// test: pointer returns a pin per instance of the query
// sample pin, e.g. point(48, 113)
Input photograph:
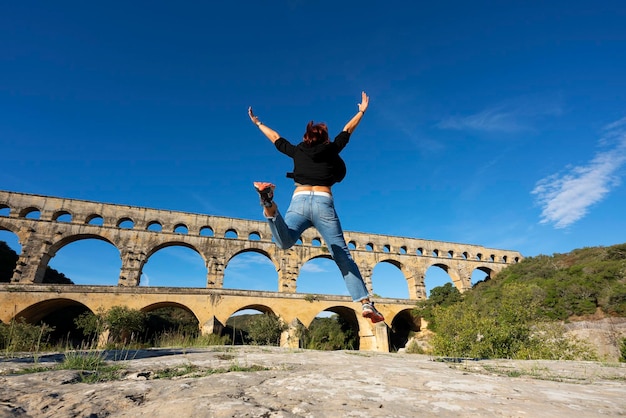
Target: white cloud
point(490, 120)
point(566, 197)
point(313, 268)
point(513, 116)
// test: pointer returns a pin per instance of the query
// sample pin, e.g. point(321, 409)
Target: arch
point(77, 262)
point(30, 212)
point(480, 274)
point(348, 320)
point(154, 226)
point(352, 245)
point(5, 210)
point(94, 219)
point(181, 229)
point(254, 236)
point(168, 304)
point(231, 233)
point(125, 223)
point(207, 231)
point(34, 313)
point(320, 275)
point(403, 250)
point(436, 275)
point(191, 273)
point(389, 280)
point(369, 247)
point(316, 242)
point(386, 248)
point(403, 325)
point(419, 251)
point(251, 269)
point(62, 216)
point(167, 320)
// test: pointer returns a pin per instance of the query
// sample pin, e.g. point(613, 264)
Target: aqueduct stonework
point(45, 224)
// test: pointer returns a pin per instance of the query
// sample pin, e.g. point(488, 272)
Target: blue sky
point(501, 124)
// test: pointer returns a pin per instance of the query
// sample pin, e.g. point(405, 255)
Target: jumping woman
point(317, 167)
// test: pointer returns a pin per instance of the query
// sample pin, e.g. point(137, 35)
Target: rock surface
point(277, 382)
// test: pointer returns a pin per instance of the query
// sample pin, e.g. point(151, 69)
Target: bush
point(124, 324)
point(265, 329)
point(505, 324)
point(623, 351)
point(20, 336)
point(329, 334)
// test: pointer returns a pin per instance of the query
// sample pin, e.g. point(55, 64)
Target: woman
point(317, 166)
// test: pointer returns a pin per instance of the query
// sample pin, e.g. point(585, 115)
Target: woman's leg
point(287, 230)
point(326, 221)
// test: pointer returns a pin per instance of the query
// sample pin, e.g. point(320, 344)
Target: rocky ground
point(246, 381)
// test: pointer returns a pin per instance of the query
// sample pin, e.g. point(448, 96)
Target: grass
point(92, 367)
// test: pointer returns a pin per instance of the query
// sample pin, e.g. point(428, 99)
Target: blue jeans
point(316, 210)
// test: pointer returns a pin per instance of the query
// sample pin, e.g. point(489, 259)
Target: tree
point(8, 260)
point(266, 329)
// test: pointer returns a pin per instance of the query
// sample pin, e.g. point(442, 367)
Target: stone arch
point(488, 272)
point(89, 219)
point(24, 213)
point(56, 246)
point(149, 252)
point(170, 304)
point(259, 251)
point(9, 226)
point(231, 233)
point(445, 268)
point(348, 314)
point(60, 213)
point(402, 325)
point(331, 278)
point(265, 309)
point(181, 228)
point(399, 266)
point(4, 212)
point(37, 311)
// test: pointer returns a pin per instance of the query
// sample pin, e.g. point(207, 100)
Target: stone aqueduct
point(45, 224)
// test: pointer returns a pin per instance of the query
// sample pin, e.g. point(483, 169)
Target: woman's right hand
point(253, 117)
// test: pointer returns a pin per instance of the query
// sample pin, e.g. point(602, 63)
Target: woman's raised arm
point(271, 134)
point(354, 122)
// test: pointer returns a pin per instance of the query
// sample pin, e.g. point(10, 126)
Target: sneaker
point(369, 311)
point(266, 193)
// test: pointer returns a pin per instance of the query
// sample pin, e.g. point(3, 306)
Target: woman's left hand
point(365, 101)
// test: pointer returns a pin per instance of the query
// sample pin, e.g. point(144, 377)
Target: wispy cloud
point(514, 116)
point(313, 268)
point(566, 197)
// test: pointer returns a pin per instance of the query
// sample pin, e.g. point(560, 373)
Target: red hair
point(316, 133)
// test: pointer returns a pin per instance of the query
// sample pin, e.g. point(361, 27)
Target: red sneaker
point(266, 193)
point(369, 311)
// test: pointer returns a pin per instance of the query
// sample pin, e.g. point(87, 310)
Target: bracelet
point(259, 123)
point(361, 111)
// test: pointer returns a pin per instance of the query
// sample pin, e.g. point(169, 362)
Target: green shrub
point(623, 351)
point(329, 334)
point(18, 335)
point(123, 324)
point(265, 329)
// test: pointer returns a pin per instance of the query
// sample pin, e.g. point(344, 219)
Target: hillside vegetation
point(518, 313)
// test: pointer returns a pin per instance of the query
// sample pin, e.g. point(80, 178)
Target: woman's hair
point(316, 133)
